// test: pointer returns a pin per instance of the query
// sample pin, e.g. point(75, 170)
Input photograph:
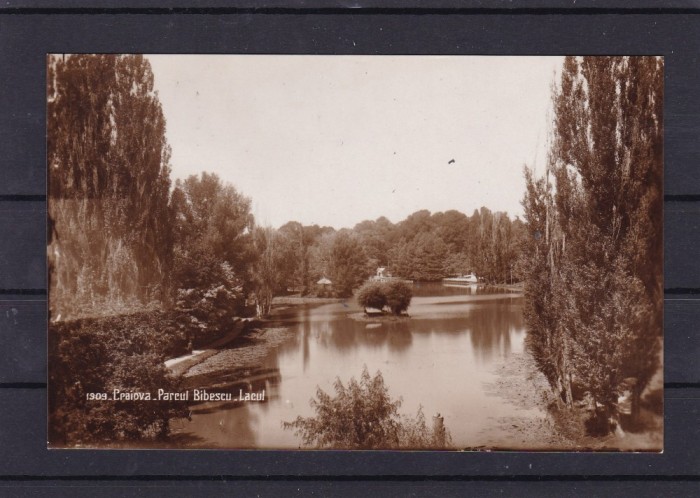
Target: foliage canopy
point(372, 295)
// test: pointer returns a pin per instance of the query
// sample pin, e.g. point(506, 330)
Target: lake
point(445, 358)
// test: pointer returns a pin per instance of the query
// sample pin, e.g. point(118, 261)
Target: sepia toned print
point(357, 252)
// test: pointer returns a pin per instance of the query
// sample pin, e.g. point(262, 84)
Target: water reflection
point(440, 359)
point(346, 334)
point(306, 336)
point(489, 324)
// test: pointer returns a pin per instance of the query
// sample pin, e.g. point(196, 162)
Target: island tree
point(394, 294)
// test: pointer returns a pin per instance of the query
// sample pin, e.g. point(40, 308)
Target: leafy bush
point(209, 296)
point(362, 415)
point(372, 295)
point(396, 294)
point(100, 355)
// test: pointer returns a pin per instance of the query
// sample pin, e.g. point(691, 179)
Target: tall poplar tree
point(108, 174)
point(594, 286)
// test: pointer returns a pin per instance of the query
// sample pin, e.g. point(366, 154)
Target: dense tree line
point(212, 252)
point(593, 274)
point(424, 247)
point(121, 235)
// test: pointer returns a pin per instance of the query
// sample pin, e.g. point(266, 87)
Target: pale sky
point(335, 140)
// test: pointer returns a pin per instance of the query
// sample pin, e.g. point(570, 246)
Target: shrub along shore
point(92, 357)
point(128, 352)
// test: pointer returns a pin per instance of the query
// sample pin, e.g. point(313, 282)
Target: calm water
point(443, 359)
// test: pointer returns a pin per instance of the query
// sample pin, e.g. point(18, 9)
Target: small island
point(388, 297)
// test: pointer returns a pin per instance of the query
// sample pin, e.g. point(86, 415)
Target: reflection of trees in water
point(344, 334)
point(306, 333)
point(491, 328)
point(223, 426)
point(490, 325)
point(400, 337)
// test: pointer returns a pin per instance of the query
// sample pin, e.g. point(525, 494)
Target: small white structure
point(382, 275)
point(323, 287)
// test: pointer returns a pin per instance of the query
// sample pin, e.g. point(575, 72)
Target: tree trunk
point(263, 302)
point(569, 394)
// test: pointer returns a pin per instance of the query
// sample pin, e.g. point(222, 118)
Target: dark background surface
point(31, 29)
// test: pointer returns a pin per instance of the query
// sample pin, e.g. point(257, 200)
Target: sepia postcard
point(355, 252)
